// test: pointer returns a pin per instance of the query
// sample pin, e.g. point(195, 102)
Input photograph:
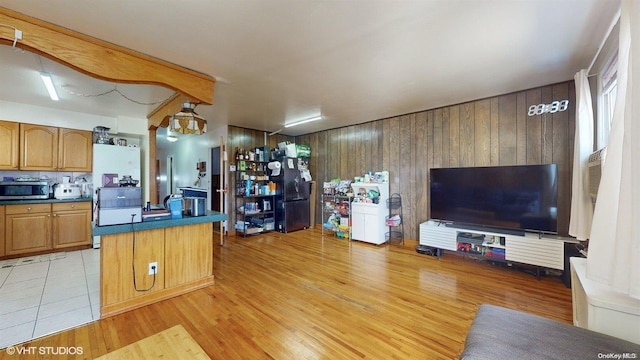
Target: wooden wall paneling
point(494, 157)
point(354, 166)
point(352, 145)
point(436, 138)
point(375, 140)
point(394, 154)
point(366, 137)
point(547, 127)
point(446, 138)
point(339, 157)
point(467, 134)
point(430, 158)
point(508, 128)
point(359, 145)
point(385, 154)
point(482, 137)
point(407, 166)
point(534, 129)
point(494, 131)
point(369, 139)
point(419, 201)
point(454, 136)
point(343, 145)
point(521, 128)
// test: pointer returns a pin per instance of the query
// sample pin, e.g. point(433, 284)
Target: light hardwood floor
point(302, 296)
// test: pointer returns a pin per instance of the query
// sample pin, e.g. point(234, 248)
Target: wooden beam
point(101, 59)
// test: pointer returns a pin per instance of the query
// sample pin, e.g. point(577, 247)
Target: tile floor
point(48, 294)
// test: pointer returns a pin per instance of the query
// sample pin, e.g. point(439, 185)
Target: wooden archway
point(110, 62)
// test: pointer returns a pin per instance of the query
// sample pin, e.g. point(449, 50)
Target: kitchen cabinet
point(2, 242)
point(9, 145)
point(39, 147)
point(27, 228)
point(52, 148)
point(71, 224)
point(75, 150)
point(31, 228)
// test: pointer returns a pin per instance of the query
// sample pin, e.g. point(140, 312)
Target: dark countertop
point(42, 201)
point(211, 216)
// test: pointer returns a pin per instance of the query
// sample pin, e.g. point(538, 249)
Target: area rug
point(32, 259)
point(173, 343)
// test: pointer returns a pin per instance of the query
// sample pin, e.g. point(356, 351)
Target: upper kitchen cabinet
point(75, 150)
point(9, 145)
point(52, 148)
point(39, 147)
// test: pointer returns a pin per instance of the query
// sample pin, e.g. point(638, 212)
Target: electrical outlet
point(153, 268)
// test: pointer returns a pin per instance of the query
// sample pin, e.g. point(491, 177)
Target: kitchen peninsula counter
point(182, 250)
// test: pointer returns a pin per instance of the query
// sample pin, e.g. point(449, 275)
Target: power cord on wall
point(133, 262)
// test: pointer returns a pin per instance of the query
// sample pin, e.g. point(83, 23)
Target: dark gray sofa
point(500, 333)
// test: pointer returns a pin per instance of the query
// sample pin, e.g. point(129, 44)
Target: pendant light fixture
point(187, 121)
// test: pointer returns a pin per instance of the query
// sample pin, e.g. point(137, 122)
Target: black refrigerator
point(292, 197)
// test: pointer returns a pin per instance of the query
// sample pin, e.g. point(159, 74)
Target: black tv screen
point(520, 197)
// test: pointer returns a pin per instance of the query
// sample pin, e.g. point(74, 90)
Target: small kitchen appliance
point(24, 190)
point(196, 206)
point(67, 191)
point(121, 205)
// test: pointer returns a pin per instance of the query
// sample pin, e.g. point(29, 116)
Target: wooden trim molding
point(101, 59)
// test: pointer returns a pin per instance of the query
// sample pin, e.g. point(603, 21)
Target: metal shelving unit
point(340, 207)
point(395, 235)
point(255, 211)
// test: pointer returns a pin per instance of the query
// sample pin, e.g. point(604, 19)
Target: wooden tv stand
point(531, 249)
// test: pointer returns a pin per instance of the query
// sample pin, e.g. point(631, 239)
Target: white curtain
point(581, 207)
point(614, 247)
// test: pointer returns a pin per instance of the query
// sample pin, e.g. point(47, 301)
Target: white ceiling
point(279, 61)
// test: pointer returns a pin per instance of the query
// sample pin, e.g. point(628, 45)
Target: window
point(609, 82)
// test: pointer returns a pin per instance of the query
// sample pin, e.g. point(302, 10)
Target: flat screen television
point(511, 199)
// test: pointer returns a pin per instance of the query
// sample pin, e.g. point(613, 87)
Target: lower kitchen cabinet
point(37, 228)
point(27, 228)
point(71, 224)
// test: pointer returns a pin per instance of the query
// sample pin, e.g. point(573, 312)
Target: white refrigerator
point(113, 159)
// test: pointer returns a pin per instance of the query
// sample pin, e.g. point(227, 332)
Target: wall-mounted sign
point(548, 108)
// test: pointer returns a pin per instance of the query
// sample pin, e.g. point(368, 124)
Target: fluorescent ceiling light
point(48, 83)
point(303, 121)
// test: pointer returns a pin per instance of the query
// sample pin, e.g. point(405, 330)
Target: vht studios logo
point(44, 350)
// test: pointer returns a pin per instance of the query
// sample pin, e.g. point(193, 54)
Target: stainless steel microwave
point(23, 190)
